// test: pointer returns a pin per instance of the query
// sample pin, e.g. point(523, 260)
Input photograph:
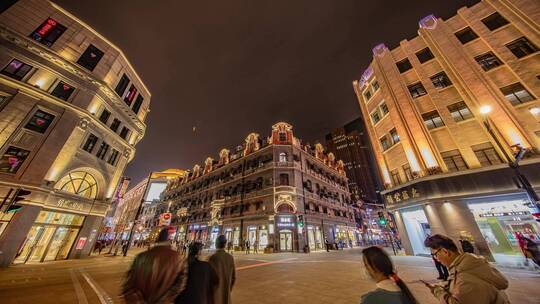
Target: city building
point(72, 110)
point(446, 112)
point(351, 144)
point(273, 193)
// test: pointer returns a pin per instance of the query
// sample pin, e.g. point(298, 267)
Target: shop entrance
point(500, 222)
point(314, 237)
point(418, 229)
point(48, 242)
point(263, 238)
point(285, 240)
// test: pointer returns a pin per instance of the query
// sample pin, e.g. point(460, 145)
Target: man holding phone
point(472, 279)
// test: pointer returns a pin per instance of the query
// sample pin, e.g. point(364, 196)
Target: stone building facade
point(273, 193)
point(72, 109)
point(447, 110)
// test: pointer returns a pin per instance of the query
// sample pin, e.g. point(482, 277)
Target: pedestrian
point(472, 279)
point(255, 246)
point(247, 246)
point(522, 244)
point(154, 275)
point(229, 246)
point(350, 243)
point(390, 288)
point(532, 251)
point(441, 269)
point(202, 279)
point(223, 264)
point(466, 246)
point(327, 244)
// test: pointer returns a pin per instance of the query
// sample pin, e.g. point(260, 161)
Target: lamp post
point(520, 179)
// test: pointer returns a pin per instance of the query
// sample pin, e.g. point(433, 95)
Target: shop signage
point(401, 195)
point(80, 243)
point(252, 228)
point(215, 229)
point(67, 204)
point(165, 219)
point(285, 222)
point(504, 214)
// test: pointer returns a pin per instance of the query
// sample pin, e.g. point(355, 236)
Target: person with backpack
point(390, 288)
point(472, 279)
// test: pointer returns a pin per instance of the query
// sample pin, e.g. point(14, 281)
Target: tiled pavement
point(318, 277)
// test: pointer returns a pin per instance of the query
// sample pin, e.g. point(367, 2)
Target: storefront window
point(418, 229)
point(499, 222)
point(56, 218)
point(5, 218)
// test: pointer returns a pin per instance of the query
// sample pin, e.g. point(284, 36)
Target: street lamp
point(520, 179)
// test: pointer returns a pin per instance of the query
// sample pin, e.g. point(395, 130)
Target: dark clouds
point(234, 67)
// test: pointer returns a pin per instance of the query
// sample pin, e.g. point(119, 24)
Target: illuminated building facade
point(271, 192)
point(445, 111)
point(72, 109)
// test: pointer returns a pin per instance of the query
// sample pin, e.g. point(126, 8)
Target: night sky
point(233, 67)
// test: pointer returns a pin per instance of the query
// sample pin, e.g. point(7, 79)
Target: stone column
point(15, 233)
point(456, 217)
point(434, 220)
point(405, 241)
point(89, 231)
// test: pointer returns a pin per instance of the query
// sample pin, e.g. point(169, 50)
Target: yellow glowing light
point(428, 157)
point(40, 82)
point(415, 166)
point(534, 110)
point(485, 109)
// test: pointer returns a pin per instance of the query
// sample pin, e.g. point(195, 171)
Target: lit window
point(424, 55)
point(460, 111)
point(522, 47)
point(90, 143)
point(130, 95)
point(385, 143)
point(282, 157)
point(466, 35)
point(90, 58)
point(40, 121)
point(404, 65)
point(441, 80)
point(79, 183)
point(16, 69)
point(488, 61)
point(104, 117)
point(62, 90)
point(48, 32)
point(12, 159)
point(102, 151)
point(395, 136)
point(375, 116)
point(122, 85)
point(516, 94)
point(494, 21)
point(417, 90)
point(454, 161)
point(432, 120)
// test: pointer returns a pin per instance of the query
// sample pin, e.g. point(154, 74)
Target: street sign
point(165, 219)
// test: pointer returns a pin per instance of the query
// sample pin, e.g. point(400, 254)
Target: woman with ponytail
point(390, 288)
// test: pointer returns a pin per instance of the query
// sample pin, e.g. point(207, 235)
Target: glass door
point(67, 243)
point(56, 243)
point(285, 240)
point(31, 239)
point(41, 245)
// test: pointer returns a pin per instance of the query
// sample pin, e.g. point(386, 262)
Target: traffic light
point(300, 221)
point(382, 219)
point(17, 197)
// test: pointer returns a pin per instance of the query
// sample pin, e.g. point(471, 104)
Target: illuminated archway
point(79, 183)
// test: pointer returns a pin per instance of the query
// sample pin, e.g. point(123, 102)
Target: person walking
point(247, 246)
point(202, 280)
point(441, 269)
point(390, 288)
point(466, 246)
point(229, 246)
point(327, 244)
point(154, 274)
point(223, 264)
point(255, 246)
point(472, 279)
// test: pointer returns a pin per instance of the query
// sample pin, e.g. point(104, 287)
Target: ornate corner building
point(72, 109)
point(447, 110)
point(273, 193)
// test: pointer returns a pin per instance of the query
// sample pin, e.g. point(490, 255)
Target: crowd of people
point(165, 275)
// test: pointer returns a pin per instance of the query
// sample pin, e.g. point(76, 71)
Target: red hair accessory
point(395, 278)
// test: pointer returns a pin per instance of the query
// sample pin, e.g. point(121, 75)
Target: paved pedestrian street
point(318, 277)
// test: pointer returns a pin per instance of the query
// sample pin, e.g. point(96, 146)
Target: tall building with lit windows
point(72, 109)
point(446, 111)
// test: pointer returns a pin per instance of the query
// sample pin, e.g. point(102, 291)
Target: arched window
point(282, 157)
point(79, 183)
